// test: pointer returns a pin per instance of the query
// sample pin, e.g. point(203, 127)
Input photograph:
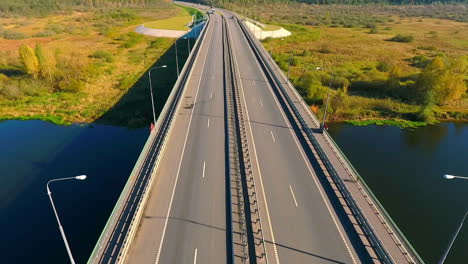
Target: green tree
point(46, 68)
point(29, 60)
point(310, 85)
point(339, 101)
point(443, 81)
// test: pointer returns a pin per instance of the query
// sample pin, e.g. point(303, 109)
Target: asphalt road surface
point(297, 216)
point(185, 221)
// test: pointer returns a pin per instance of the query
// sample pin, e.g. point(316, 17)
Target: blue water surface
point(33, 152)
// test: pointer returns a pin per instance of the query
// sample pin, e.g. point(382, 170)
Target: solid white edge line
point(305, 160)
point(272, 136)
point(195, 256)
point(258, 166)
point(203, 174)
point(182, 157)
point(292, 193)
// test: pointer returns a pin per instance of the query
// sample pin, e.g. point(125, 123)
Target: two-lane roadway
point(184, 220)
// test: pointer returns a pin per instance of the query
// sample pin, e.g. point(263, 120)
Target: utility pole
point(326, 105)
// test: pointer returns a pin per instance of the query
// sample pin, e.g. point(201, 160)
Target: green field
point(177, 22)
point(271, 28)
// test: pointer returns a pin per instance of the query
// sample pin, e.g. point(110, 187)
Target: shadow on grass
point(134, 108)
point(11, 72)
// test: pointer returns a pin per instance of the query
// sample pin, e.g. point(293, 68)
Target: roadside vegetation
point(383, 63)
point(181, 21)
point(75, 66)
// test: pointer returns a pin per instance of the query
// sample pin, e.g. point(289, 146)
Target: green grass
point(364, 61)
point(178, 22)
point(271, 28)
point(58, 120)
point(388, 122)
point(100, 60)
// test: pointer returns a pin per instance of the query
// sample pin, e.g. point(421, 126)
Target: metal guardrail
point(114, 217)
point(367, 228)
point(246, 180)
point(231, 151)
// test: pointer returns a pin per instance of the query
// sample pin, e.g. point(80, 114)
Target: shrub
point(45, 33)
point(294, 61)
point(384, 66)
point(10, 34)
point(402, 38)
point(57, 28)
point(102, 54)
point(46, 67)
point(420, 61)
point(374, 30)
point(325, 49)
point(128, 81)
point(305, 53)
point(3, 78)
point(133, 39)
point(70, 74)
point(426, 114)
point(10, 91)
point(29, 60)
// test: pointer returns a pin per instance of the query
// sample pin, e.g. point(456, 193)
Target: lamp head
point(81, 177)
point(448, 177)
point(164, 66)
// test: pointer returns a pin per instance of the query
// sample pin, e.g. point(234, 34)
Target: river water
point(404, 169)
point(33, 152)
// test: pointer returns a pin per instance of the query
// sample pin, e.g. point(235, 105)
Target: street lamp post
point(328, 99)
point(454, 237)
point(151, 90)
point(49, 193)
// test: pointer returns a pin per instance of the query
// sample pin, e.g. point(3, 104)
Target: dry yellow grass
point(99, 94)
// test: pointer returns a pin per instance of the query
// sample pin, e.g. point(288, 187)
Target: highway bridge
point(237, 170)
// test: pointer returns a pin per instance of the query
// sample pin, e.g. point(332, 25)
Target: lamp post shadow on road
point(62, 232)
point(454, 237)
point(151, 89)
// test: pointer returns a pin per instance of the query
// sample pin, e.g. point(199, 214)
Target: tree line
point(43, 7)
